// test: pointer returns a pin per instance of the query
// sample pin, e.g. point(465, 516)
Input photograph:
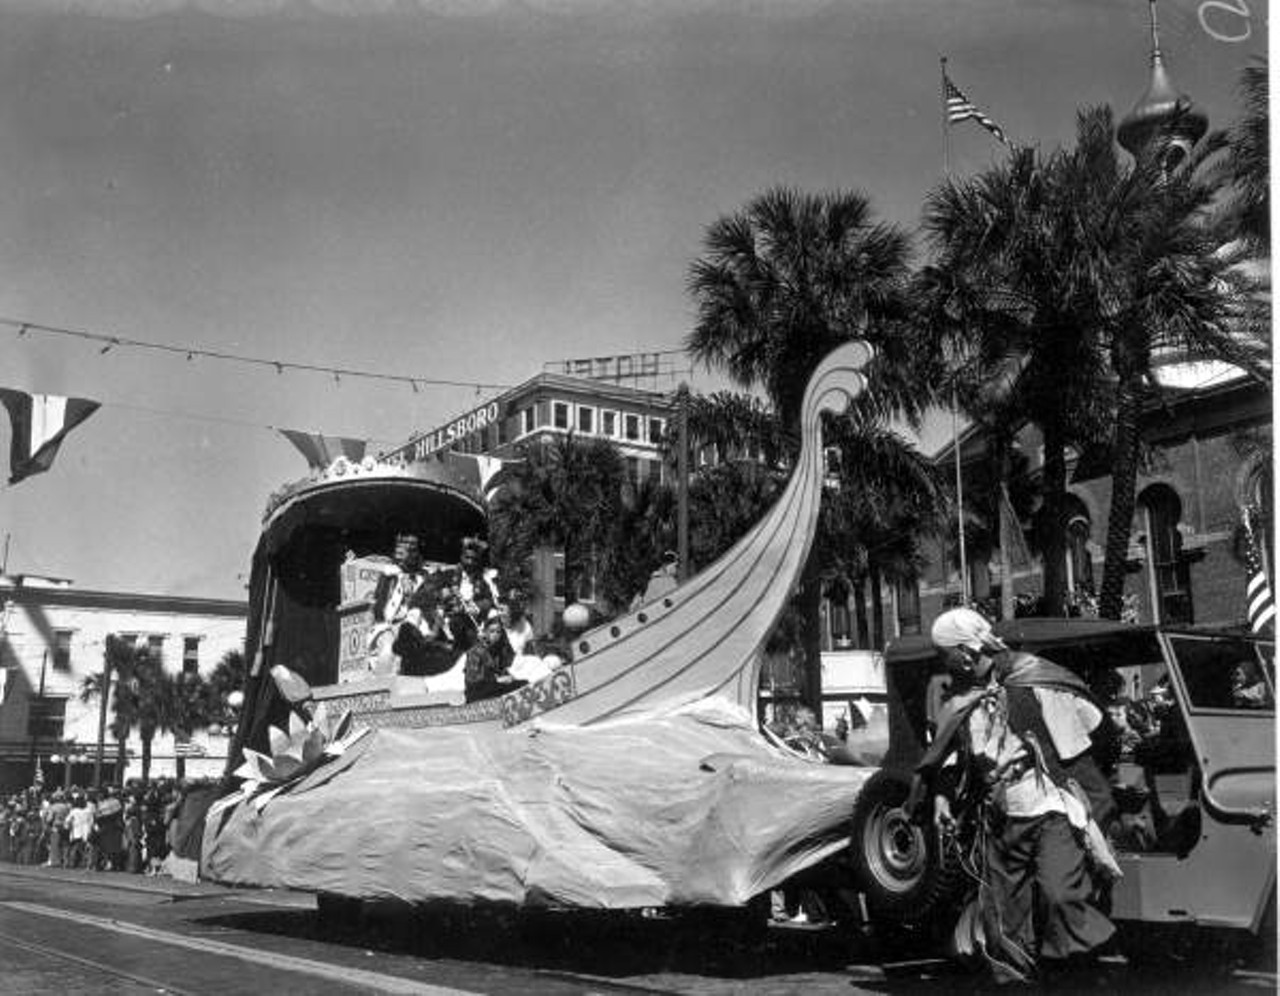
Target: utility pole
point(31, 760)
point(682, 471)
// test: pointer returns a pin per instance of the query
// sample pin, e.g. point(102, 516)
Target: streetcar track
point(359, 977)
point(97, 966)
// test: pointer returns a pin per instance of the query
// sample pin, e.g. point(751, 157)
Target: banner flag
point(1261, 603)
point(961, 108)
point(321, 450)
point(1011, 531)
point(40, 423)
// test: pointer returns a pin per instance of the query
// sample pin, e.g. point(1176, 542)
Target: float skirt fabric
point(680, 807)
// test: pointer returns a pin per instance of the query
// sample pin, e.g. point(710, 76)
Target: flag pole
point(946, 125)
point(955, 427)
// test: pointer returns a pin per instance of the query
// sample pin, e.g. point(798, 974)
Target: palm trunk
point(860, 612)
point(1124, 477)
point(877, 609)
point(809, 603)
point(1054, 539)
point(122, 760)
point(146, 760)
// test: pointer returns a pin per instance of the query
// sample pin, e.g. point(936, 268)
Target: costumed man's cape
point(1013, 671)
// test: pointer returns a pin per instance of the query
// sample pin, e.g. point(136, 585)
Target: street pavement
point(77, 932)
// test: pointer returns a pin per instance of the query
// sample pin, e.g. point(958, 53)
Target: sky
point(450, 190)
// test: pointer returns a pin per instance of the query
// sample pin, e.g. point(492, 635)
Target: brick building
point(1210, 457)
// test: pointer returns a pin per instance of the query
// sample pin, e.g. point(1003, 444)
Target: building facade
point(53, 636)
point(1209, 460)
point(551, 405)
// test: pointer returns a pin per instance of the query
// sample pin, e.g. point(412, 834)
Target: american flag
point(187, 748)
point(961, 108)
point(1261, 603)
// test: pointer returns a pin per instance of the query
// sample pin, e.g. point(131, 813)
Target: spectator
point(109, 824)
point(55, 820)
point(79, 824)
point(133, 839)
point(153, 831)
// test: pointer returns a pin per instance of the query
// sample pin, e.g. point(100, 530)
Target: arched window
point(1259, 498)
point(1079, 559)
point(1168, 572)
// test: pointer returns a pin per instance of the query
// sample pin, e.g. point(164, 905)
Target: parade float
point(635, 775)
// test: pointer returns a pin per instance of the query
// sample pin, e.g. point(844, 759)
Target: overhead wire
point(109, 342)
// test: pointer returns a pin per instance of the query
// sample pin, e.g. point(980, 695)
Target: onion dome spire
point(1163, 120)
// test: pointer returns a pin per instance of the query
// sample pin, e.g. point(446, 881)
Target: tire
point(897, 864)
point(338, 912)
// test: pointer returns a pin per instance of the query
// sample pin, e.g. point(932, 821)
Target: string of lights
point(106, 343)
point(222, 419)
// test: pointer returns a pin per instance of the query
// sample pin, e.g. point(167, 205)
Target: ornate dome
point(1163, 118)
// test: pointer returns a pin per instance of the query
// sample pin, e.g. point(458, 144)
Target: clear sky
point(451, 189)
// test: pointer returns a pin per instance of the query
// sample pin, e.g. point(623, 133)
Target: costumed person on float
point(476, 591)
point(1012, 768)
point(410, 631)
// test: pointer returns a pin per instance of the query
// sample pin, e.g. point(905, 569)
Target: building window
point(609, 424)
point(908, 607)
point(1079, 559)
point(190, 655)
point(1168, 572)
point(839, 618)
point(528, 421)
point(46, 717)
point(155, 647)
point(62, 650)
point(631, 427)
point(586, 419)
point(655, 430)
point(584, 584)
point(633, 470)
point(559, 415)
point(504, 431)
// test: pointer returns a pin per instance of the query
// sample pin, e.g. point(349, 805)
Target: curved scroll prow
point(706, 637)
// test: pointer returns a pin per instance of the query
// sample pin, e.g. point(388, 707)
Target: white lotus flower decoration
point(297, 752)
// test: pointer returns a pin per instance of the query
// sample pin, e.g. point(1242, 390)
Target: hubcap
point(895, 849)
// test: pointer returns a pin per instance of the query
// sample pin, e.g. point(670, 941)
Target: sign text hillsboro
point(445, 436)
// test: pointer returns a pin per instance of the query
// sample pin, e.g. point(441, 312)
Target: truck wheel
point(897, 863)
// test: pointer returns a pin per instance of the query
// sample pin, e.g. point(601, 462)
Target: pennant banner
point(485, 474)
point(40, 423)
point(321, 450)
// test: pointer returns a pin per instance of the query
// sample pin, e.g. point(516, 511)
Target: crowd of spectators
point(125, 828)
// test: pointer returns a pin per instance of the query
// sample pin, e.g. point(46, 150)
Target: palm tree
point(778, 285)
point(182, 705)
point(885, 498)
point(1163, 290)
point(227, 677)
point(1002, 301)
point(133, 700)
point(566, 494)
point(1248, 166)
